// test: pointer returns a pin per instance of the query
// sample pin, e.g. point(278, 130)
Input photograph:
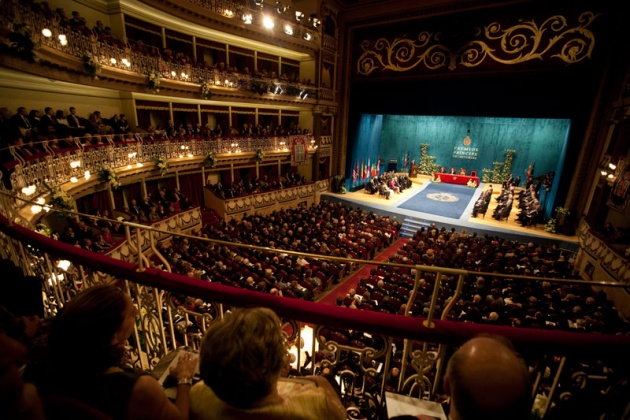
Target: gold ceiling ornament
point(520, 43)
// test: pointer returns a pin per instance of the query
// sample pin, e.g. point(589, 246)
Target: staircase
point(410, 226)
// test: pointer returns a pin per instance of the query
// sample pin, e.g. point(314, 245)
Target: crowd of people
point(494, 300)
point(246, 186)
point(102, 232)
point(388, 184)
point(327, 229)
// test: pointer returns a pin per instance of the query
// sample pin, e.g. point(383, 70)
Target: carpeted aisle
point(352, 281)
point(441, 199)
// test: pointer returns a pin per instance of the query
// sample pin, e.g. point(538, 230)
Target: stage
point(510, 228)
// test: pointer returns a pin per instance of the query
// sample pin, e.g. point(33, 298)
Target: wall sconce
point(247, 18)
point(63, 264)
point(63, 40)
point(87, 175)
point(268, 22)
point(47, 32)
point(74, 180)
point(75, 164)
point(229, 13)
point(288, 30)
point(30, 190)
point(307, 36)
point(299, 16)
point(113, 61)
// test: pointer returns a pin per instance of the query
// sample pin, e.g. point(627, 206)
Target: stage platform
point(508, 229)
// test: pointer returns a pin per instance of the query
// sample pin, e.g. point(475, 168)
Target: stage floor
point(465, 221)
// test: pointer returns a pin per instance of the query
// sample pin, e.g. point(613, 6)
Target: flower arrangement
point(472, 184)
point(109, 175)
point(60, 200)
point(204, 87)
point(90, 67)
point(562, 211)
point(551, 226)
point(260, 155)
point(153, 80)
point(211, 159)
point(23, 42)
point(436, 178)
point(162, 165)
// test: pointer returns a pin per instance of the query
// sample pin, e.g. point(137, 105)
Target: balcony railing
point(119, 57)
point(58, 167)
point(418, 345)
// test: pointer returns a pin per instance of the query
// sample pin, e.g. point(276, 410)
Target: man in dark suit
point(76, 123)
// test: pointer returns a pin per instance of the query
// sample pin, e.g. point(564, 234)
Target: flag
point(529, 173)
point(357, 169)
point(378, 166)
point(354, 175)
point(368, 171)
point(362, 169)
point(374, 168)
point(406, 158)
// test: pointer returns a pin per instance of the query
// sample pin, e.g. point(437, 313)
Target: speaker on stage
point(392, 165)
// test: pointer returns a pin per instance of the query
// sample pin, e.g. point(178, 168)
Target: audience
point(241, 360)
point(487, 380)
point(91, 373)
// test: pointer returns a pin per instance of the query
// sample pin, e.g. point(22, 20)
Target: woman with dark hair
point(86, 349)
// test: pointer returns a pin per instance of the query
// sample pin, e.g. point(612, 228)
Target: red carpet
point(351, 282)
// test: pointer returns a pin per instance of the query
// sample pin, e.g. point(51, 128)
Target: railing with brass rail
point(419, 346)
point(55, 168)
point(117, 56)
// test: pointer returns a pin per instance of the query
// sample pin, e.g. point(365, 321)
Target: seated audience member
point(86, 348)
point(19, 400)
point(487, 380)
point(241, 361)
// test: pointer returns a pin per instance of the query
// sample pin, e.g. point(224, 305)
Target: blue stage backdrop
point(537, 142)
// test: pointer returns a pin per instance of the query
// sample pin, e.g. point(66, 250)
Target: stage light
point(268, 22)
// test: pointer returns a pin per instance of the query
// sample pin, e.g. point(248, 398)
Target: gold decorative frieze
point(555, 38)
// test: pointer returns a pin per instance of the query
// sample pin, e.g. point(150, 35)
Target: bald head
point(486, 379)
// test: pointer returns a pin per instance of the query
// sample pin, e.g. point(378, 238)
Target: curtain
point(192, 187)
point(100, 200)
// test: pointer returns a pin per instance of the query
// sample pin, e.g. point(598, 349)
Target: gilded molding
point(526, 41)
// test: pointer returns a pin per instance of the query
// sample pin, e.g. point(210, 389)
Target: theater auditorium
point(393, 180)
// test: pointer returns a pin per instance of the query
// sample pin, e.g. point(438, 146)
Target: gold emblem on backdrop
point(520, 43)
point(467, 141)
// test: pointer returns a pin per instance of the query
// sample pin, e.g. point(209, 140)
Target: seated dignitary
point(487, 380)
point(241, 359)
point(86, 347)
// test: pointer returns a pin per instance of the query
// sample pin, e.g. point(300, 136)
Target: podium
point(413, 172)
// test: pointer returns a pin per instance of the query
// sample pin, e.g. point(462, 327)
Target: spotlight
point(307, 36)
point(288, 30)
point(268, 22)
point(47, 32)
point(299, 16)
